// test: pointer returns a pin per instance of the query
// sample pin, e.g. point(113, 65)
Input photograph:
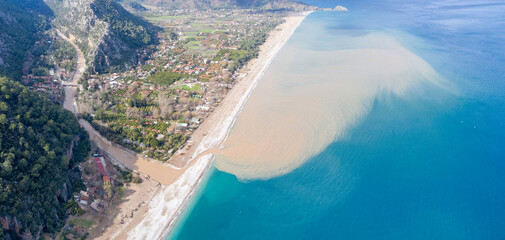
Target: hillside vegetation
point(36, 136)
point(131, 29)
point(107, 34)
point(40, 142)
point(20, 20)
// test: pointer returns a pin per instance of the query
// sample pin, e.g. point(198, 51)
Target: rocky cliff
point(107, 33)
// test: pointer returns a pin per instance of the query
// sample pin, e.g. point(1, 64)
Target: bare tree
point(155, 112)
point(166, 104)
point(134, 112)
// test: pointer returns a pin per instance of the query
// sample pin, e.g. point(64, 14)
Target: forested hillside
point(35, 140)
point(107, 33)
point(20, 20)
point(131, 29)
point(36, 135)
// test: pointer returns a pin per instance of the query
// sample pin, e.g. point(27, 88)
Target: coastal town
point(155, 107)
point(251, 119)
point(145, 121)
point(49, 65)
point(152, 108)
point(130, 104)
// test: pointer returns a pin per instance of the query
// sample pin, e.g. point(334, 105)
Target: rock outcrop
point(107, 34)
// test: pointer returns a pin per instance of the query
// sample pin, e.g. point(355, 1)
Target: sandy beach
point(180, 177)
point(197, 159)
point(215, 128)
point(124, 214)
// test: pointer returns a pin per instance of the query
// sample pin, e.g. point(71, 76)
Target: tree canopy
point(165, 77)
point(20, 21)
point(133, 30)
point(35, 138)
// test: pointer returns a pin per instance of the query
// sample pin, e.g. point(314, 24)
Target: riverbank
point(161, 173)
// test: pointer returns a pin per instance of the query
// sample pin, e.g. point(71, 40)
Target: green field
point(82, 222)
point(203, 28)
point(190, 34)
point(194, 43)
point(194, 47)
point(196, 87)
point(166, 18)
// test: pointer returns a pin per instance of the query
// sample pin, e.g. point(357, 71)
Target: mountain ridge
point(224, 4)
point(107, 33)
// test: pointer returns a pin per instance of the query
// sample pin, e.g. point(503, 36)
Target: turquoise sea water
point(427, 166)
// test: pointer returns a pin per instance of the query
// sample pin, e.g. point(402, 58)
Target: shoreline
point(171, 202)
point(225, 115)
point(166, 208)
point(180, 177)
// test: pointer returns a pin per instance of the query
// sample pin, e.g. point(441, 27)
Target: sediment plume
point(308, 98)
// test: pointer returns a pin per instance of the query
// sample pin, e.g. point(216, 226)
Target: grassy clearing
point(203, 51)
point(121, 192)
point(166, 18)
point(193, 47)
point(207, 30)
point(84, 223)
point(190, 34)
point(203, 28)
point(194, 43)
point(196, 87)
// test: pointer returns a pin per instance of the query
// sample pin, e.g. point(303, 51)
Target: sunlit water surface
point(385, 122)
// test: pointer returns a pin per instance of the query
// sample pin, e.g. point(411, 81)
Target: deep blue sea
point(426, 167)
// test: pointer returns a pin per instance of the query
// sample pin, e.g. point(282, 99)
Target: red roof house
point(100, 164)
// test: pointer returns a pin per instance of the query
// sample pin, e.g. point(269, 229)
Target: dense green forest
point(165, 78)
point(36, 135)
point(35, 138)
point(133, 30)
point(19, 24)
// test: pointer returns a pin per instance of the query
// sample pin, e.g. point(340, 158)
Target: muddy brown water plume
point(307, 99)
